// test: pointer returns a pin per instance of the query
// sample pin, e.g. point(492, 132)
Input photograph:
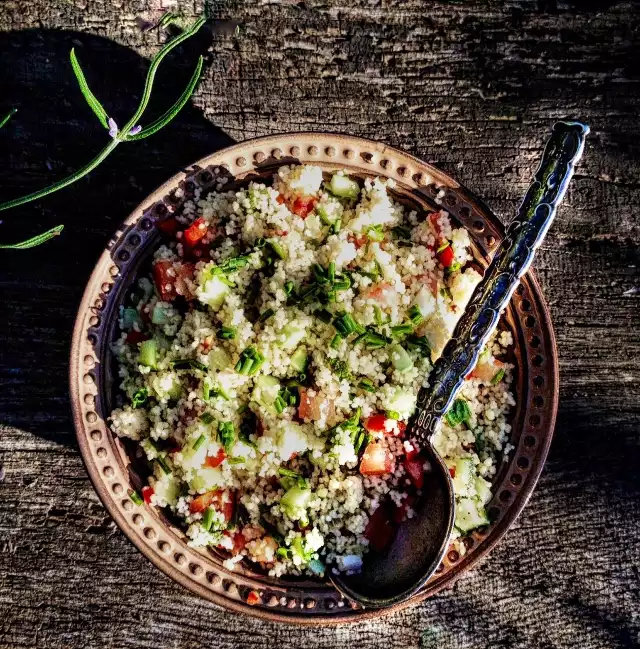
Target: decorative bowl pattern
point(113, 470)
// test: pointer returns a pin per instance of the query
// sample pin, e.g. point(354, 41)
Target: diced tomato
point(185, 273)
point(218, 499)
point(376, 460)
point(358, 242)
point(147, 492)
point(212, 461)
point(400, 512)
point(195, 232)
point(410, 450)
point(303, 205)
point(402, 426)
point(134, 337)
point(280, 199)
point(164, 278)
point(415, 468)
point(238, 542)
point(376, 423)
point(311, 407)
point(446, 256)
point(379, 530)
point(486, 369)
point(169, 226)
point(452, 471)
point(253, 598)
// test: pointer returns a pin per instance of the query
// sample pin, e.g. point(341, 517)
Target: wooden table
point(473, 87)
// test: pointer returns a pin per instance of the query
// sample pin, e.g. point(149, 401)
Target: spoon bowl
point(417, 549)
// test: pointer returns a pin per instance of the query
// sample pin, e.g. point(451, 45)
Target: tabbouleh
point(271, 359)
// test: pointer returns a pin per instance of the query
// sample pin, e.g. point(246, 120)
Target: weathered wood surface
point(472, 86)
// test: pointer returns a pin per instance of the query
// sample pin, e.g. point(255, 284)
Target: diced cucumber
point(265, 391)
point(167, 488)
point(213, 292)
point(130, 317)
point(402, 402)
point(159, 316)
point(470, 514)
point(295, 501)
point(292, 335)
point(483, 490)
point(465, 476)
point(149, 353)
point(344, 187)
point(297, 547)
point(300, 359)
point(219, 359)
point(400, 359)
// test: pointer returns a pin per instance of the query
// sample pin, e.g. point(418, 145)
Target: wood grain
point(472, 87)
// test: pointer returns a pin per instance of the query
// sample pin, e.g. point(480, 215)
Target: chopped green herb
point(375, 233)
point(367, 384)
point(415, 315)
point(260, 242)
point(342, 284)
point(226, 435)
point(266, 314)
point(251, 360)
point(163, 464)
point(378, 315)
point(139, 398)
point(285, 553)
point(188, 364)
point(236, 460)
point(392, 414)
point(444, 246)
point(335, 343)
point(135, 497)
point(458, 413)
point(278, 250)
point(207, 518)
point(201, 440)
point(227, 333)
point(206, 418)
point(335, 228)
point(420, 343)
point(445, 291)
point(340, 368)
point(288, 288)
point(497, 377)
point(401, 330)
point(454, 268)
point(331, 271)
point(233, 264)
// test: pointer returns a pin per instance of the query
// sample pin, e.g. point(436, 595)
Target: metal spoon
point(418, 548)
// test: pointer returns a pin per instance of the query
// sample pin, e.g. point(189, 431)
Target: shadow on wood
point(53, 134)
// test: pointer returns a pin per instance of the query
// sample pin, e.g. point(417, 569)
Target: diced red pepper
point(376, 460)
point(415, 468)
point(303, 205)
point(212, 461)
point(358, 242)
point(134, 337)
point(169, 226)
point(446, 256)
point(379, 530)
point(280, 199)
point(238, 542)
point(452, 471)
point(164, 279)
point(217, 498)
point(195, 232)
point(402, 426)
point(400, 512)
point(147, 492)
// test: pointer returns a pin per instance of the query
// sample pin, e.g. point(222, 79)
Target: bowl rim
point(88, 305)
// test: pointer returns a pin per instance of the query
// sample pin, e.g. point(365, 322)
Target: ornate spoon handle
point(510, 263)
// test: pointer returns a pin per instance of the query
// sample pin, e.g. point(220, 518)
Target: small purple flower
point(113, 128)
point(135, 130)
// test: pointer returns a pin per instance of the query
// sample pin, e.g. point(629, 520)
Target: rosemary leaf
point(8, 116)
point(94, 104)
point(34, 241)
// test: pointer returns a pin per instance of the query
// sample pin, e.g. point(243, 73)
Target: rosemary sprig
point(129, 133)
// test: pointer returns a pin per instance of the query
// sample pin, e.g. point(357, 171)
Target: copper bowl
point(113, 468)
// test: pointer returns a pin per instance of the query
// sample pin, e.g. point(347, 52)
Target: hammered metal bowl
point(112, 464)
